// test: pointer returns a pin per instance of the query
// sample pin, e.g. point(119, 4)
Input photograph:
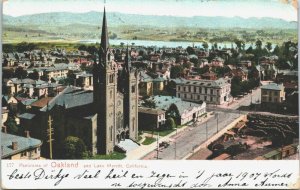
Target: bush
point(73, 148)
point(170, 123)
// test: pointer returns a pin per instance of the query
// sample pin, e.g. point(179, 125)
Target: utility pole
point(50, 133)
point(217, 122)
point(175, 143)
point(206, 130)
point(157, 145)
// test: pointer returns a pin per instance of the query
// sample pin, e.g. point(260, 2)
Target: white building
point(210, 91)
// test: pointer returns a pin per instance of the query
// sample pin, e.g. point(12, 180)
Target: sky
point(187, 8)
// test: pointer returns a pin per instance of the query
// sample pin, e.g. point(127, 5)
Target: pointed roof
point(104, 34)
point(127, 64)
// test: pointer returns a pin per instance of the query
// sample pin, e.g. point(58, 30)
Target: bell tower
point(130, 77)
point(105, 94)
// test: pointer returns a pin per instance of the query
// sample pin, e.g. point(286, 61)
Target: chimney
point(14, 145)
point(4, 129)
point(27, 134)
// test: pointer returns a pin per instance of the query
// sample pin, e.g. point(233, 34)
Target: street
point(184, 142)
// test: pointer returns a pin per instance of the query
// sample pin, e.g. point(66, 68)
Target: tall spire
point(127, 60)
point(104, 35)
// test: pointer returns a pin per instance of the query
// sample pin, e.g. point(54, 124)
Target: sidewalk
point(143, 150)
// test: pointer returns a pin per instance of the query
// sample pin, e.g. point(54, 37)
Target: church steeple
point(127, 64)
point(104, 36)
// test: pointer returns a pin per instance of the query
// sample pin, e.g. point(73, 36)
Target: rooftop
point(23, 144)
point(273, 86)
point(151, 111)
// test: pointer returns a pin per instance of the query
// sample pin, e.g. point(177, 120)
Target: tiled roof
point(23, 144)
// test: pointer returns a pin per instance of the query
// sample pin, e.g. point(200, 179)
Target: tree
point(269, 46)
point(258, 44)
point(92, 50)
point(173, 111)
point(34, 75)
point(73, 148)
point(235, 86)
point(205, 45)
point(11, 125)
point(176, 71)
point(276, 50)
point(170, 123)
point(8, 48)
point(82, 47)
point(20, 73)
point(149, 103)
point(190, 50)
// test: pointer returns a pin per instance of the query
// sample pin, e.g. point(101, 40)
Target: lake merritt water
point(170, 44)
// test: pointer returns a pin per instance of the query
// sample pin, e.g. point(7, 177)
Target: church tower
point(130, 77)
point(105, 94)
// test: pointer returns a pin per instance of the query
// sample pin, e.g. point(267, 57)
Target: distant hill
point(119, 19)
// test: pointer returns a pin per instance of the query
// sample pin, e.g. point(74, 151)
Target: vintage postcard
point(161, 94)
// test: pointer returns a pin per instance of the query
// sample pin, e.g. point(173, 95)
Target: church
point(102, 117)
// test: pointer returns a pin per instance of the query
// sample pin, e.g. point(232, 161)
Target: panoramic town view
point(167, 80)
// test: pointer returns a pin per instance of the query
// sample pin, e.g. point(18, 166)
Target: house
point(209, 75)
point(150, 118)
point(84, 79)
point(240, 73)
point(272, 93)
point(245, 63)
point(15, 147)
point(188, 111)
point(210, 91)
point(217, 62)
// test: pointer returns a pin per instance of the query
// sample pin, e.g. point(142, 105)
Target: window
point(198, 97)
point(205, 90)
point(204, 98)
point(23, 154)
point(178, 95)
point(190, 90)
point(200, 90)
point(111, 78)
point(211, 99)
point(183, 88)
point(211, 91)
point(276, 93)
point(275, 100)
point(133, 89)
point(184, 95)
point(270, 99)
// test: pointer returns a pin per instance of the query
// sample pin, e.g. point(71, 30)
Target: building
point(16, 147)
point(210, 91)
point(150, 118)
point(272, 93)
point(188, 111)
point(102, 118)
